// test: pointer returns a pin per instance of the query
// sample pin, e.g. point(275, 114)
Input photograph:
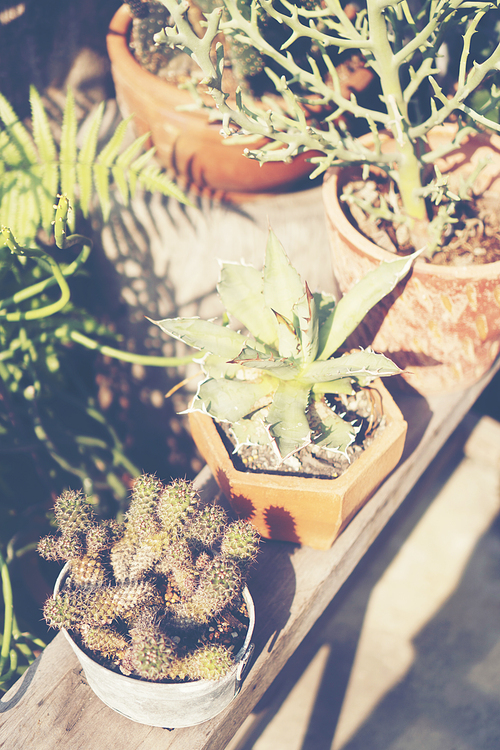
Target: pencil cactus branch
point(400, 48)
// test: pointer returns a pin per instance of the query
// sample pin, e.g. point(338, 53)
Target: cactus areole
point(159, 600)
point(271, 382)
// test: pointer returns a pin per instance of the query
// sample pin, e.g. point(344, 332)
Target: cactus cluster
point(149, 594)
point(246, 63)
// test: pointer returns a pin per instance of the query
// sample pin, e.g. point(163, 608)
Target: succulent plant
point(267, 382)
point(247, 63)
point(147, 594)
point(402, 43)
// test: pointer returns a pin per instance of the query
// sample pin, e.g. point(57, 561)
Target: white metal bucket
point(165, 705)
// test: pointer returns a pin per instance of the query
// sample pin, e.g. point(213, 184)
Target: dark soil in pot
point(474, 239)
point(363, 409)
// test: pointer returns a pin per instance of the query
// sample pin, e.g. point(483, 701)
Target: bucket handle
point(242, 668)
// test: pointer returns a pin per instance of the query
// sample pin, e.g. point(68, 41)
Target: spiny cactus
point(74, 515)
point(208, 663)
point(139, 595)
point(265, 380)
point(105, 640)
point(240, 542)
point(176, 505)
point(245, 61)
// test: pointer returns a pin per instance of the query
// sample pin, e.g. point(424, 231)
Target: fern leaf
point(101, 182)
point(86, 158)
point(111, 150)
point(137, 166)
point(154, 180)
point(121, 181)
point(49, 183)
point(19, 135)
point(126, 158)
point(41, 129)
point(67, 153)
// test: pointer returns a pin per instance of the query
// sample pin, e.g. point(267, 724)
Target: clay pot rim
point(333, 207)
point(118, 48)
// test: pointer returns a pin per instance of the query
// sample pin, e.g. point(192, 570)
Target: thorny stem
point(380, 37)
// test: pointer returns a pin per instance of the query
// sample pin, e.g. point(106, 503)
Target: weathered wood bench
point(52, 708)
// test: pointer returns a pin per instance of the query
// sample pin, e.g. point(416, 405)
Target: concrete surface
point(407, 657)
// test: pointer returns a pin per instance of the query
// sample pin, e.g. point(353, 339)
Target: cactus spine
point(145, 596)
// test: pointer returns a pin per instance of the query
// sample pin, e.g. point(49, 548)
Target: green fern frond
point(67, 154)
point(86, 158)
point(33, 171)
point(20, 138)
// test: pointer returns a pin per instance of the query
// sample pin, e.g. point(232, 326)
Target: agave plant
point(33, 170)
point(270, 382)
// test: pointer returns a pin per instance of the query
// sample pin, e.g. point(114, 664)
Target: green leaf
point(86, 158)
point(362, 366)
point(282, 284)
point(280, 367)
point(289, 343)
point(250, 431)
point(307, 324)
point(19, 135)
point(230, 400)
point(287, 418)
point(152, 179)
point(204, 335)
point(67, 155)
point(335, 434)
point(241, 289)
point(359, 300)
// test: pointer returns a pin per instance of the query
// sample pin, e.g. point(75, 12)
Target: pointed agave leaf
point(363, 366)
point(307, 324)
point(250, 431)
point(287, 418)
point(359, 300)
point(282, 285)
point(217, 367)
point(204, 335)
point(241, 289)
point(230, 400)
point(279, 367)
point(289, 343)
point(86, 158)
point(336, 434)
point(343, 385)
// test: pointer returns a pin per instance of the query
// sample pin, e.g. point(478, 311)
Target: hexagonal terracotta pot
point(443, 322)
point(298, 509)
point(185, 141)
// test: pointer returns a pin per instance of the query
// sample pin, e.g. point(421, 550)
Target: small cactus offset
point(148, 595)
point(270, 381)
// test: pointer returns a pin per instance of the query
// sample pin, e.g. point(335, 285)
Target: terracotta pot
point(185, 141)
point(443, 322)
point(298, 509)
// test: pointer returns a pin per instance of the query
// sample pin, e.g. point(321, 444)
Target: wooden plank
point(52, 708)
